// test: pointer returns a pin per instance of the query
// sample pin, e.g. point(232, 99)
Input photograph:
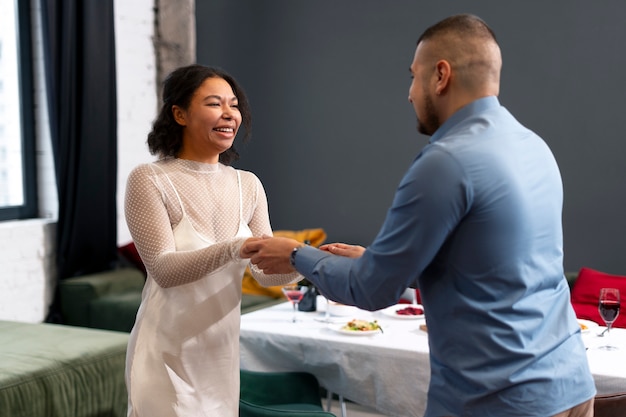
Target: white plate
point(338, 328)
point(391, 312)
point(590, 325)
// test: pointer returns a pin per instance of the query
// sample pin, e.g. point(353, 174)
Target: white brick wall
point(27, 247)
point(136, 92)
point(26, 259)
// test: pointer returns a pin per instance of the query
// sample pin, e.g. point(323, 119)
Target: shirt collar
point(477, 106)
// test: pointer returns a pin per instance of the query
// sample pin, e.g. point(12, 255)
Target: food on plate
point(356, 325)
point(410, 311)
point(586, 325)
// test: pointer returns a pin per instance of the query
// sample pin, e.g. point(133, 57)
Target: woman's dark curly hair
point(166, 137)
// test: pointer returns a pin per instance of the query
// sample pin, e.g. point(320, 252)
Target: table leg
point(342, 403)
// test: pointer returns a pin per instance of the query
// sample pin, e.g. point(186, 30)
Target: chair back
point(610, 405)
point(247, 409)
point(288, 394)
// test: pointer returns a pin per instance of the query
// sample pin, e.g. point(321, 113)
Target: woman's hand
point(341, 249)
point(244, 252)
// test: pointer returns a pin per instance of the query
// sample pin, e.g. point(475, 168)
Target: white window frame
point(18, 168)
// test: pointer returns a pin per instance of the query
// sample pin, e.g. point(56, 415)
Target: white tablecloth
point(387, 371)
point(608, 367)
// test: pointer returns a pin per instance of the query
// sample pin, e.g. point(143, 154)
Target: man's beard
point(430, 124)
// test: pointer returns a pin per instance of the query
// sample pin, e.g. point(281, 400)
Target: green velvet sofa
point(106, 300)
point(110, 300)
point(51, 370)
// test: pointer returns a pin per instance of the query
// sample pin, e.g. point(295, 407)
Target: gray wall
point(333, 131)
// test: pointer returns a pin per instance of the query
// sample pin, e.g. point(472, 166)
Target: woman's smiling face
point(210, 122)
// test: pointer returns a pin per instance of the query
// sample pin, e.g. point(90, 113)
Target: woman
point(189, 214)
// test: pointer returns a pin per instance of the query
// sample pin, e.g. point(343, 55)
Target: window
point(17, 150)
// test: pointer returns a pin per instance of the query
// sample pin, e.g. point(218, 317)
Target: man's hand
point(341, 249)
point(270, 254)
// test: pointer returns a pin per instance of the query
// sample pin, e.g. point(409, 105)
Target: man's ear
point(179, 115)
point(443, 71)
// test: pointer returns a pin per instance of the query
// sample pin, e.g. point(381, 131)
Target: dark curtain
point(79, 54)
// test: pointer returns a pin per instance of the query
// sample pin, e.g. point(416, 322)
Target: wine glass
point(326, 318)
point(294, 293)
point(609, 310)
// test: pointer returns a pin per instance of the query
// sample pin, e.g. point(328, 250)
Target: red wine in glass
point(294, 293)
point(294, 296)
point(608, 307)
point(609, 310)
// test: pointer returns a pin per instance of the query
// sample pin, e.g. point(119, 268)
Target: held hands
point(341, 249)
point(271, 254)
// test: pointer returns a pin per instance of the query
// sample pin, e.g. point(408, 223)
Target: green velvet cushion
point(76, 294)
point(58, 371)
point(115, 312)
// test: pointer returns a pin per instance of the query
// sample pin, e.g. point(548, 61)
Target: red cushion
point(586, 293)
point(129, 252)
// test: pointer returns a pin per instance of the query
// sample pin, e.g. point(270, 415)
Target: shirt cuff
point(307, 258)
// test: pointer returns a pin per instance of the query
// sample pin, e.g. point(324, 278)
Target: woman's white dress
point(188, 221)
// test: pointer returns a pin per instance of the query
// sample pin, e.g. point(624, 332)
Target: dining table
point(387, 369)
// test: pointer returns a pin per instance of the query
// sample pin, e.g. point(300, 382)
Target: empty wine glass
point(608, 307)
point(326, 318)
point(294, 293)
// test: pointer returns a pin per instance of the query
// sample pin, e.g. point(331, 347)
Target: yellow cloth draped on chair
point(315, 237)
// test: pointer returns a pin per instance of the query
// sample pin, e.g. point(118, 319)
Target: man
point(476, 222)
